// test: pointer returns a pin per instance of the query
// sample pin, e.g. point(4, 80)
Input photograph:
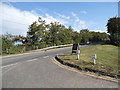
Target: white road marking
point(8, 70)
point(15, 64)
point(18, 63)
point(46, 56)
point(9, 65)
point(31, 60)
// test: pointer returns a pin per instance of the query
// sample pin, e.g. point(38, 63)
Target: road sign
point(75, 48)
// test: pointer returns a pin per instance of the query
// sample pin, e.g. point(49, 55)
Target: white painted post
point(78, 54)
point(94, 61)
point(94, 58)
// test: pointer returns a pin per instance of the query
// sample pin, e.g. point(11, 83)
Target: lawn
point(107, 58)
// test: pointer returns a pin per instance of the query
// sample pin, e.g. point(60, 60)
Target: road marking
point(14, 65)
point(18, 63)
point(9, 65)
point(46, 56)
point(8, 70)
point(31, 60)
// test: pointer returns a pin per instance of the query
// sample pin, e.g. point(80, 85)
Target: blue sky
point(79, 15)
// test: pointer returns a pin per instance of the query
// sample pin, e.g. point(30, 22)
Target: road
point(36, 70)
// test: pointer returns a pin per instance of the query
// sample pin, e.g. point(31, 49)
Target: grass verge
point(107, 58)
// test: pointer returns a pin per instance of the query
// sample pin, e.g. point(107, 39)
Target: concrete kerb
point(34, 51)
point(84, 72)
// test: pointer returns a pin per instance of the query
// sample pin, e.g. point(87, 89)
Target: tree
point(32, 33)
point(113, 28)
point(54, 31)
point(36, 33)
point(65, 36)
point(77, 37)
point(85, 36)
point(7, 42)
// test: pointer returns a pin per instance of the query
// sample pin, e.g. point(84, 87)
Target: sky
point(17, 16)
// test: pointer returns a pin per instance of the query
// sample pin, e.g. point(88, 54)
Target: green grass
point(107, 58)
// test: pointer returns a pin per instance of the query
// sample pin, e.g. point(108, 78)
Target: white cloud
point(77, 20)
point(50, 19)
point(17, 22)
point(74, 14)
point(78, 23)
point(43, 10)
point(83, 12)
point(62, 16)
point(101, 31)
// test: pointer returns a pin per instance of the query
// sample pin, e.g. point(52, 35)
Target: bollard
point(94, 61)
point(78, 54)
point(94, 58)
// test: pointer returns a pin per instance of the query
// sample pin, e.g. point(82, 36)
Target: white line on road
point(9, 65)
point(46, 57)
point(31, 60)
point(18, 63)
point(8, 69)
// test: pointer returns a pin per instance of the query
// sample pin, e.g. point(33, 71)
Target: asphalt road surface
point(36, 70)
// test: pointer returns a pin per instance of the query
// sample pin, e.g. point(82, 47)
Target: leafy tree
point(85, 36)
point(76, 37)
point(54, 32)
point(24, 40)
point(7, 43)
point(98, 37)
point(42, 35)
point(65, 36)
point(113, 27)
point(37, 32)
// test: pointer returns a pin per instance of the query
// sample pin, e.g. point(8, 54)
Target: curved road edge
point(83, 72)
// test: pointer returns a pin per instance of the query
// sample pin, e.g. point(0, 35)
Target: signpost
point(76, 50)
point(94, 57)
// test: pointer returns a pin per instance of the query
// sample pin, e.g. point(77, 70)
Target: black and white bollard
point(78, 54)
point(94, 58)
